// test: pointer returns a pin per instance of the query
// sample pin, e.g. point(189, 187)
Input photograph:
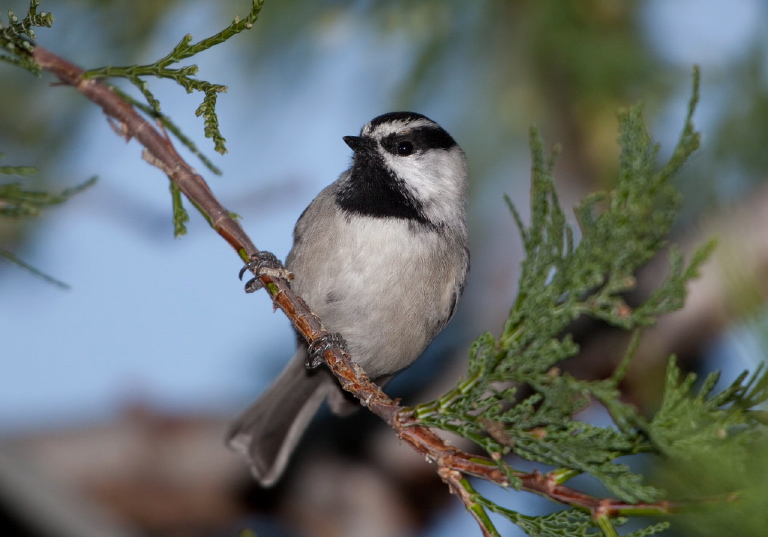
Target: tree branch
point(451, 463)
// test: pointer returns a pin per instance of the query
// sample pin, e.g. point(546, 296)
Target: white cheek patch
point(437, 179)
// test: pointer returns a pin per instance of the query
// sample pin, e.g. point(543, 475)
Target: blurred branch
point(16, 260)
point(17, 202)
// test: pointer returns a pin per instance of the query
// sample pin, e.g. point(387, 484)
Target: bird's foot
point(260, 264)
point(316, 350)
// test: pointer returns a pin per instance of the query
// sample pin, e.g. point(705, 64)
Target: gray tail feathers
point(268, 431)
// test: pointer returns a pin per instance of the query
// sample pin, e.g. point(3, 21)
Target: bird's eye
point(404, 148)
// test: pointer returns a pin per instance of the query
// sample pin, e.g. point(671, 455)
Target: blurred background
point(115, 394)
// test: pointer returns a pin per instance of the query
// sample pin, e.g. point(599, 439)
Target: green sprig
point(185, 75)
point(180, 214)
point(17, 37)
point(18, 202)
point(171, 127)
point(514, 398)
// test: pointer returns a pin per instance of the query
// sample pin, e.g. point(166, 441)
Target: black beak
point(358, 143)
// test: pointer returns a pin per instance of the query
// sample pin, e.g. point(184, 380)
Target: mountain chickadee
point(381, 256)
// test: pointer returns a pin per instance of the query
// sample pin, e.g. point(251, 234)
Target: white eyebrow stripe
point(398, 126)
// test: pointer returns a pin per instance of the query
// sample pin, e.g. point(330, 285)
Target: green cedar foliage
point(185, 76)
point(18, 202)
point(17, 37)
point(17, 46)
point(515, 400)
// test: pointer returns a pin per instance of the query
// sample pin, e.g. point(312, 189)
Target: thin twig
point(461, 488)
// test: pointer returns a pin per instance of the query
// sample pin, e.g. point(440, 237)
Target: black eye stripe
point(422, 138)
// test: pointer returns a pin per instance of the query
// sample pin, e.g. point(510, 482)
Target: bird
point(381, 256)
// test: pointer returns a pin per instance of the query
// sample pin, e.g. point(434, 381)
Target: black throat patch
point(373, 190)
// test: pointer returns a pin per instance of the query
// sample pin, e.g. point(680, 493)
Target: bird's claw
point(316, 350)
point(260, 264)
